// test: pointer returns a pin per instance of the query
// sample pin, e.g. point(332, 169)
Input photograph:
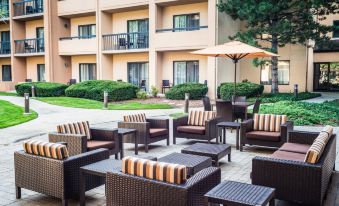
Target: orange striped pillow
point(46, 149)
point(135, 118)
point(198, 118)
point(81, 128)
point(268, 122)
point(165, 172)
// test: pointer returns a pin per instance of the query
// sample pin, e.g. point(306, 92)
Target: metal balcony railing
point(4, 10)
point(27, 7)
point(5, 47)
point(126, 41)
point(181, 29)
point(28, 46)
point(77, 37)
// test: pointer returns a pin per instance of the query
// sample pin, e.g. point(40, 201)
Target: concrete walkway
point(325, 96)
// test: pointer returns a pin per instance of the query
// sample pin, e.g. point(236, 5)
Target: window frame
point(335, 33)
point(186, 29)
point(88, 26)
point(95, 71)
point(270, 79)
point(38, 72)
point(141, 62)
point(186, 61)
point(2, 73)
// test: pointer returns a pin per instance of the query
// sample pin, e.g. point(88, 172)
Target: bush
point(196, 91)
point(142, 94)
point(271, 98)
point(94, 89)
point(154, 91)
point(42, 89)
point(248, 89)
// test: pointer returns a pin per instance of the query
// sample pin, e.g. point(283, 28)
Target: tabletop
point(102, 167)
point(126, 131)
point(229, 124)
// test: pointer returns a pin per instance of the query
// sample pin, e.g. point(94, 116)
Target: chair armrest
point(76, 144)
point(158, 123)
point(302, 137)
point(247, 125)
point(142, 128)
point(285, 129)
point(103, 134)
point(211, 127)
point(207, 176)
point(181, 121)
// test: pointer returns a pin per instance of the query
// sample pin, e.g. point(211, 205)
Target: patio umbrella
point(234, 50)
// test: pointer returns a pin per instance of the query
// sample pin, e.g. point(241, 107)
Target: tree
point(280, 22)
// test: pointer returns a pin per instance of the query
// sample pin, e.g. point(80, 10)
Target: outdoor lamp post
point(309, 44)
point(26, 96)
point(33, 91)
point(187, 99)
point(105, 100)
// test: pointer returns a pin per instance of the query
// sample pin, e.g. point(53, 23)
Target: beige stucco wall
point(119, 20)
point(76, 60)
point(75, 22)
point(72, 7)
point(31, 65)
point(31, 28)
point(4, 27)
point(120, 63)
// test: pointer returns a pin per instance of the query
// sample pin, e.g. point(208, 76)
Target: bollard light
point(33, 91)
point(26, 96)
point(187, 100)
point(105, 100)
point(296, 90)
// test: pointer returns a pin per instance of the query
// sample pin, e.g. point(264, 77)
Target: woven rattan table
point(215, 151)
point(230, 125)
point(235, 193)
point(193, 163)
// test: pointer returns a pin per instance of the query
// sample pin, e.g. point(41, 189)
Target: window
point(336, 29)
point(6, 73)
point(87, 31)
point(283, 73)
point(187, 22)
point(40, 39)
point(41, 72)
point(137, 72)
point(87, 72)
point(186, 71)
point(137, 33)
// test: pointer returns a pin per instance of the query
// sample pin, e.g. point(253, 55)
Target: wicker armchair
point(100, 138)
point(266, 139)
point(207, 132)
point(57, 178)
point(297, 181)
point(127, 190)
point(153, 130)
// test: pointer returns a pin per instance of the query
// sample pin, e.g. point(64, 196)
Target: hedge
point(94, 89)
point(248, 89)
point(42, 89)
point(196, 91)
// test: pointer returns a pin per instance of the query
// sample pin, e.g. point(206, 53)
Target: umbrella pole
point(235, 76)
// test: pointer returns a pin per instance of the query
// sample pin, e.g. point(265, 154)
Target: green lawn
point(7, 94)
point(92, 104)
point(271, 98)
point(11, 115)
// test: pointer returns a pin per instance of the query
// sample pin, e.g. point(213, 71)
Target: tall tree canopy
point(280, 22)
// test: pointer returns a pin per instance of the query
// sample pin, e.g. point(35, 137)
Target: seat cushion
point(191, 129)
point(94, 144)
point(156, 132)
point(263, 135)
point(294, 147)
point(288, 156)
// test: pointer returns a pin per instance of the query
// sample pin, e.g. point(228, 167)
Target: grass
point(7, 94)
point(272, 98)
point(93, 104)
point(11, 115)
point(303, 113)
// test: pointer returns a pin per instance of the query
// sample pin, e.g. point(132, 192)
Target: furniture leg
point(146, 148)
point(168, 142)
point(136, 141)
point(272, 202)
point(224, 135)
point(121, 147)
point(229, 158)
point(18, 192)
point(64, 202)
point(82, 188)
point(241, 147)
point(174, 140)
point(237, 139)
point(220, 133)
point(116, 156)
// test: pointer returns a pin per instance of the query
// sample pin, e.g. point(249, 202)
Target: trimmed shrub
point(42, 89)
point(271, 98)
point(248, 89)
point(94, 89)
point(196, 91)
point(142, 94)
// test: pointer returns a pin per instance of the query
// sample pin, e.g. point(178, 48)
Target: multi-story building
point(136, 40)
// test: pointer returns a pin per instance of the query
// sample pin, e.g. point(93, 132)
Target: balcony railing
point(78, 37)
point(329, 46)
point(28, 7)
point(4, 10)
point(5, 47)
point(28, 46)
point(126, 41)
point(181, 29)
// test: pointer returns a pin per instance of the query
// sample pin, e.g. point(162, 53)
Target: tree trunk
point(275, 86)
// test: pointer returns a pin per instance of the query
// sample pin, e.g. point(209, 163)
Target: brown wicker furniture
point(128, 190)
point(235, 193)
point(57, 178)
point(193, 163)
point(207, 104)
point(153, 130)
point(123, 133)
point(296, 180)
point(100, 138)
point(229, 125)
point(263, 138)
point(256, 108)
point(215, 151)
point(225, 110)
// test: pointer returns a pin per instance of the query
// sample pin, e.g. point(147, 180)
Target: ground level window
point(283, 73)
point(87, 72)
point(326, 76)
point(87, 31)
point(41, 72)
point(137, 73)
point(185, 71)
point(6, 73)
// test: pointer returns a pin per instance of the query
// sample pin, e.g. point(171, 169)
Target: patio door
point(5, 42)
point(137, 72)
point(137, 33)
point(326, 76)
point(87, 72)
point(41, 72)
point(40, 39)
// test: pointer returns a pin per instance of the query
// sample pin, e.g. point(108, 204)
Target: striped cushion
point(268, 122)
point(46, 149)
point(328, 130)
point(135, 118)
point(198, 118)
point(81, 128)
point(165, 172)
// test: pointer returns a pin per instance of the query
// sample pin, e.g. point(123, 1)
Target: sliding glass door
point(186, 71)
point(41, 73)
point(326, 76)
point(138, 33)
point(137, 72)
point(87, 72)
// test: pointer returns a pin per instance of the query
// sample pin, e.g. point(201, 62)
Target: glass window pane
point(6, 73)
point(137, 72)
point(283, 73)
point(41, 73)
point(179, 73)
point(192, 71)
point(336, 29)
point(87, 72)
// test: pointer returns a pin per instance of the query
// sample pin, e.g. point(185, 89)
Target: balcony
point(28, 9)
point(69, 46)
point(126, 42)
point(330, 46)
point(30, 47)
point(123, 5)
point(5, 49)
point(181, 38)
point(4, 10)
point(75, 8)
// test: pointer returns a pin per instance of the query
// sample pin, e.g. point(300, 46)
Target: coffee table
point(122, 133)
point(235, 193)
point(193, 163)
point(215, 151)
point(230, 125)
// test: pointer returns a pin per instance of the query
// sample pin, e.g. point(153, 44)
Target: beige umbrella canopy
point(234, 50)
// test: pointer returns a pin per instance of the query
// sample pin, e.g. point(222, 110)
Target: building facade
point(138, 41)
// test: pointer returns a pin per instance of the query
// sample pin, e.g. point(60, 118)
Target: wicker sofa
point(57, 178)
point(128, 190)
point(294, 179)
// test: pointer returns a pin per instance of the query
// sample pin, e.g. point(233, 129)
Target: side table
point(122, 133)
point(230, 125)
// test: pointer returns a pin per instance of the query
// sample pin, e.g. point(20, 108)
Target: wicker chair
point(127, 190)
point(100, 138)
point(207, 104)
point(256, 108)
point(297, 181)
point(57, 178)
point(153, 130)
